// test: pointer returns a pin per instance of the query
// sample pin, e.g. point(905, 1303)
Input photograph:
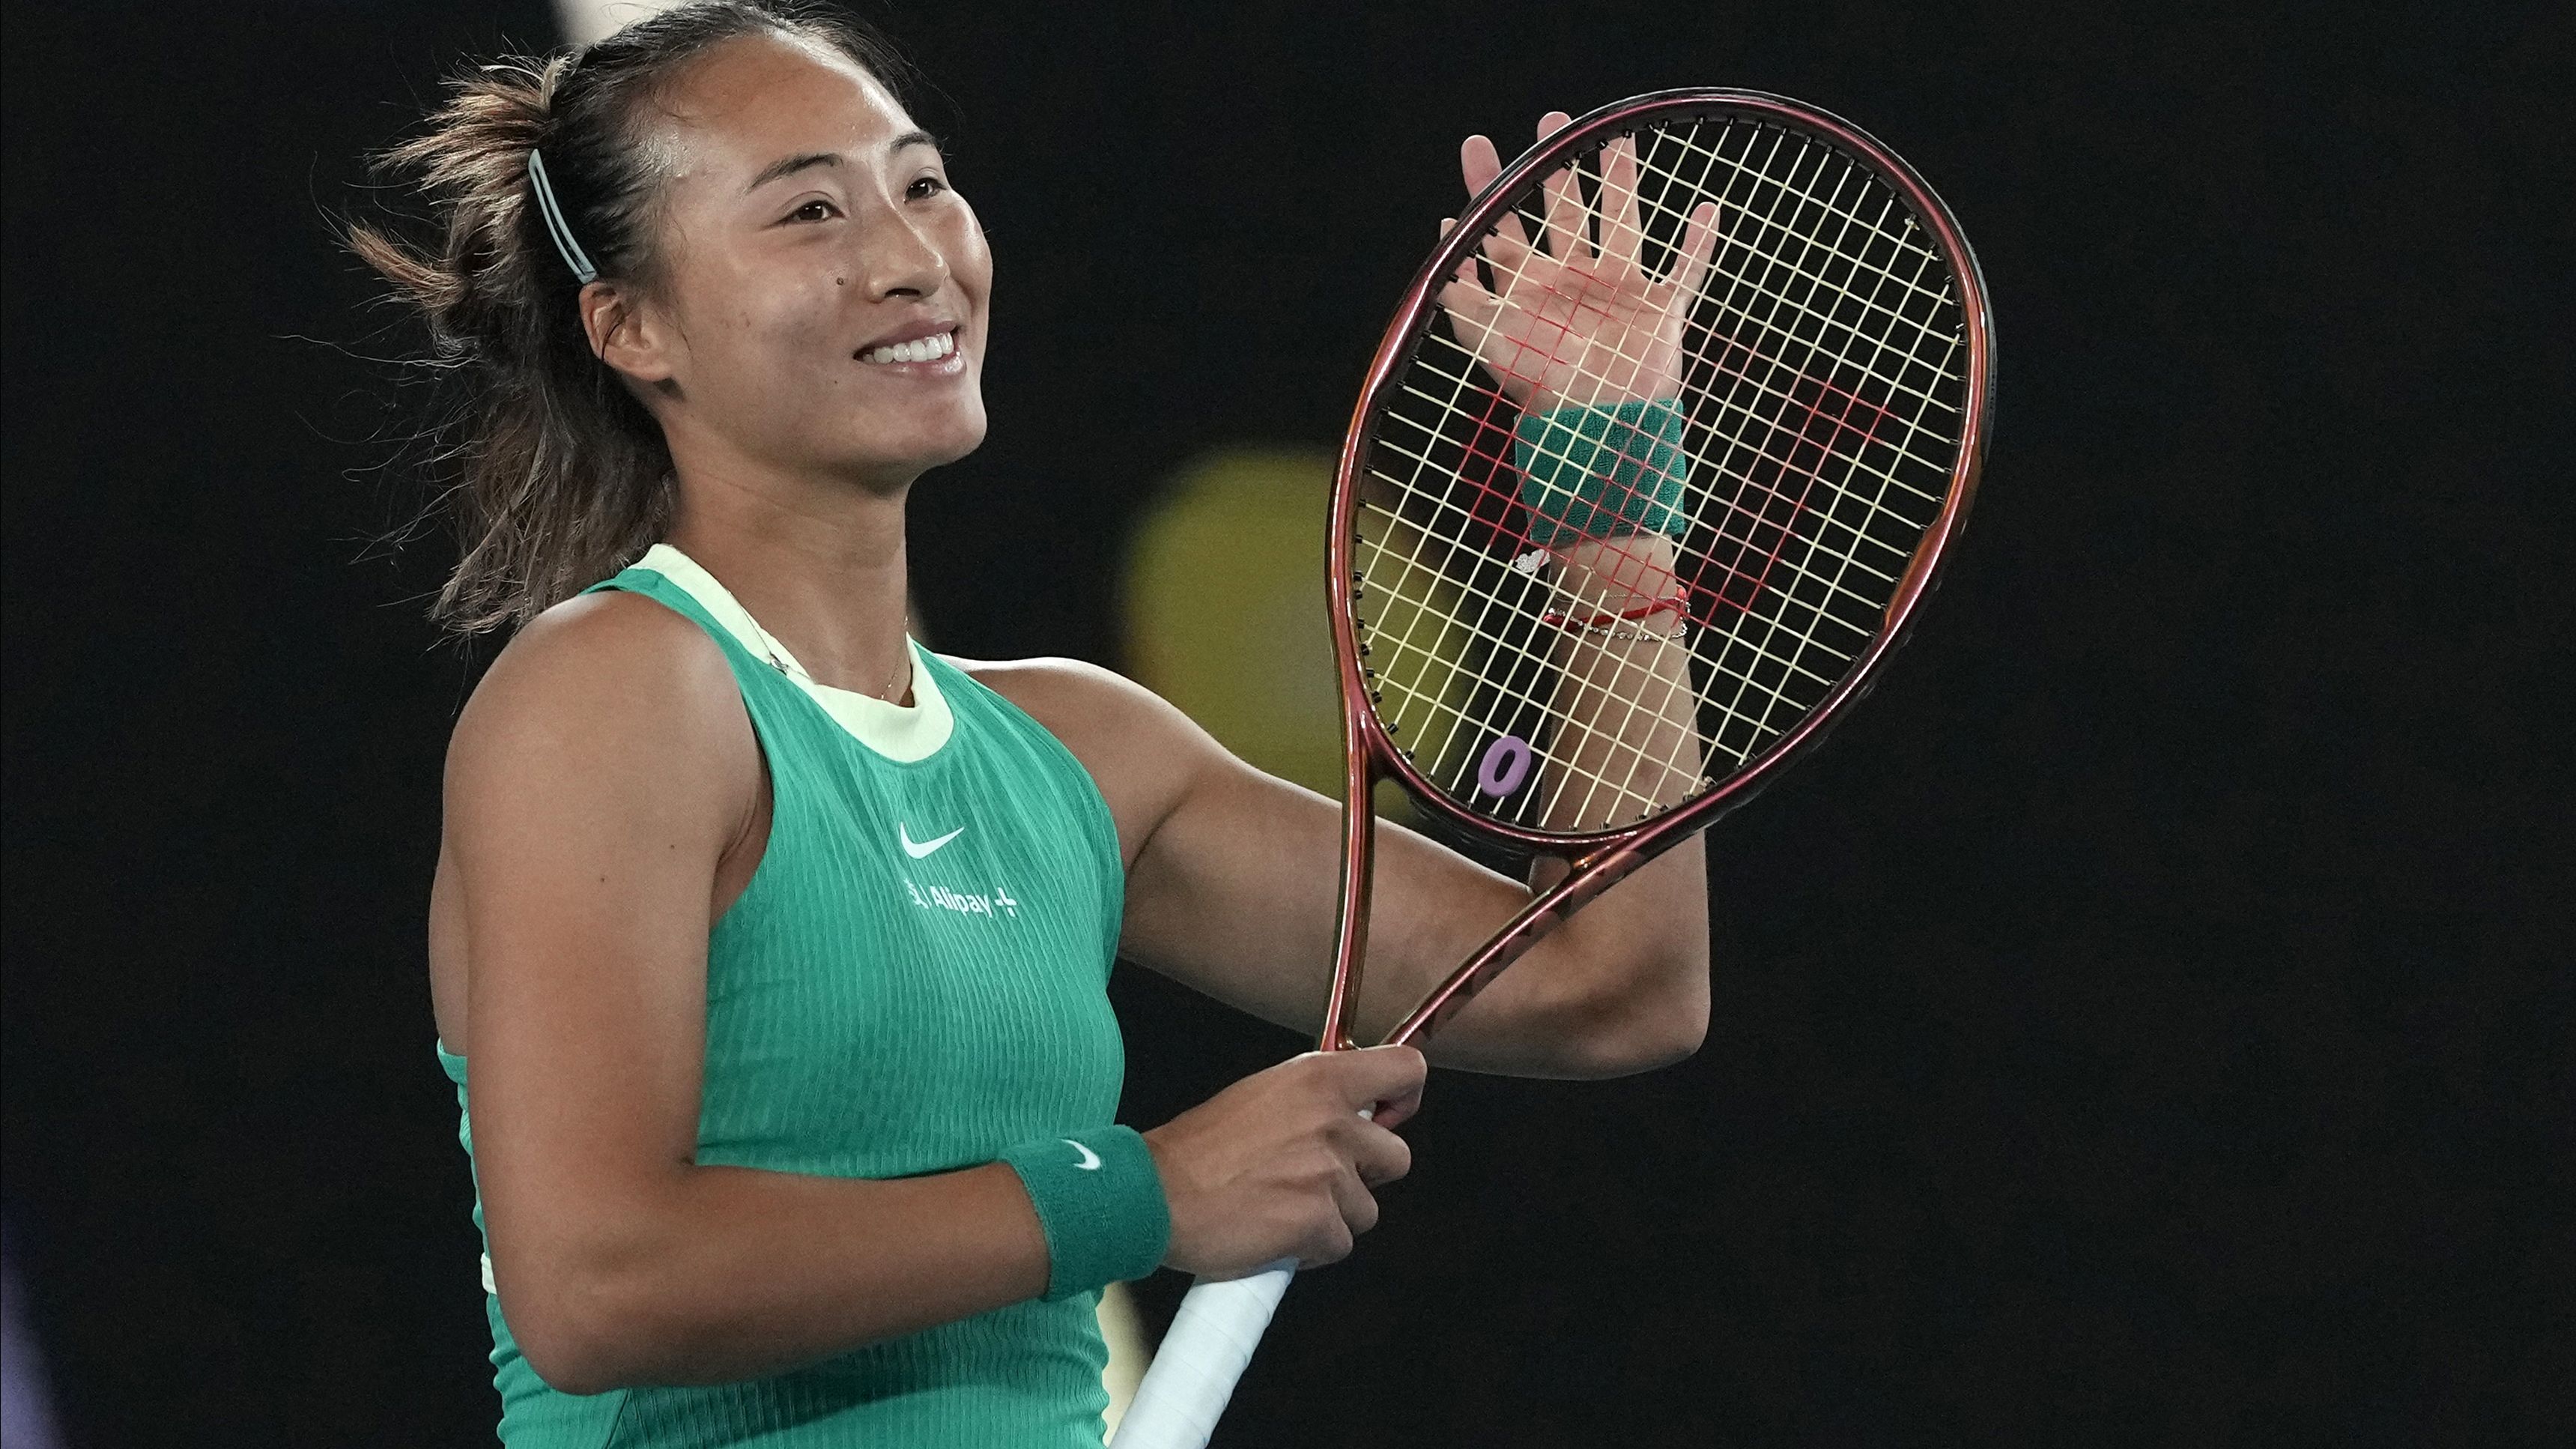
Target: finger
point(1465, 294)
point(1394, 1111)
point(1478, 165)
point(1621, 227)
point(1379, 1156)
point(1464, 274)
point(1379, 1075)
point(1354, 1201)
point(1330, 1243)
point(1553, 231)
point(1466, 270)
point(1564, 231)
point(1507, 248)
point(1697, 245)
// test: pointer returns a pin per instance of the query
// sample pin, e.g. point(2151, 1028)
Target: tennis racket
point(1657, 459)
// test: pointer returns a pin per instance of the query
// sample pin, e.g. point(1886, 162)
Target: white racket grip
point(1194, 1372)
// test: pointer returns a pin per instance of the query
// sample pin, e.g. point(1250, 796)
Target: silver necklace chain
point(786, 663)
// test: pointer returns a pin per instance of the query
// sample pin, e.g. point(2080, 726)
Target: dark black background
point(2146, 1023)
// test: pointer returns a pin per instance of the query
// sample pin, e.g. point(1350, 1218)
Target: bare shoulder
point(597, 649)
point(603, 677)
point(1142, 752)
point(1088, 706)
point(1073, 689)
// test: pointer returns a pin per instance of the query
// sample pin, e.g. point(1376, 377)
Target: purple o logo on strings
point(1507, 763)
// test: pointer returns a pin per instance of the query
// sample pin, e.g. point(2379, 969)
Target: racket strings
point(1492, 599)
point(1767, 222)
point(1816, 410)
point(1873, 367)
point(1469, 517)
point(1877, 235)
point(1595, 782)
point(1818, 364)
point(1599, 229)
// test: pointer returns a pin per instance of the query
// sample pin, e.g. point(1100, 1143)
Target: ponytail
point(561, 476)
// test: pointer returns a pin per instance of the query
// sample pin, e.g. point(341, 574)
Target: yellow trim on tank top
point(903, 734)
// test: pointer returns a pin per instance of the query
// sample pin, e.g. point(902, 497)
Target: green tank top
point(913, 981)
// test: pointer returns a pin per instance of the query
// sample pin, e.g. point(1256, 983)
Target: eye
point(925, 187)
point(815, 210)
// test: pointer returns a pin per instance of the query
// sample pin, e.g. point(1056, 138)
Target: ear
point(628, 333)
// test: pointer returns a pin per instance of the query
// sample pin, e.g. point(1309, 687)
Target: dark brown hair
point(561, 476)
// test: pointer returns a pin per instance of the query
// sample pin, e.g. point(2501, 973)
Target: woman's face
point(821, 304)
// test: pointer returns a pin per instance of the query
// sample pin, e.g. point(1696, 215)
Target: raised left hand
point(1573, 321)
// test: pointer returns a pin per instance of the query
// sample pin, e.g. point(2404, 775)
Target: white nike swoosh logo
point(1090, 1160)
point(918, 849)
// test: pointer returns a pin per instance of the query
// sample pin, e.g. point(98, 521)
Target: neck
point(819, 562)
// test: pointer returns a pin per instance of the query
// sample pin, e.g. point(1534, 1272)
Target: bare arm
point(594, 782)
point(602, 779)
point(1231, 890)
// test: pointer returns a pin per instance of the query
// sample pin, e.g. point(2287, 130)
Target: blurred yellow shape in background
point(1226, 614)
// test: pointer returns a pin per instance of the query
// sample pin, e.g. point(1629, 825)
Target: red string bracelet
point(1677, 602)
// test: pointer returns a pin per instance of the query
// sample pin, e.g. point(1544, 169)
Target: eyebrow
point(790, 165)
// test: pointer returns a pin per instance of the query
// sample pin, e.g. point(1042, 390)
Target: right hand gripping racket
point(1666, 442)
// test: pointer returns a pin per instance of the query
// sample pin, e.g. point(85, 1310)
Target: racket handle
point(1194, 1372)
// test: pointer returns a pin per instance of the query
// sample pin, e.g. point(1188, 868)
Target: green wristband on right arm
point(1602, 472)
point(1100, 1201)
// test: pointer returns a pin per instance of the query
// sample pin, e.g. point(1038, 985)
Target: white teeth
point(926, 349)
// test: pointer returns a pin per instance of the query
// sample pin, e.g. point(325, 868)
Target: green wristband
point(1602, 472)
point(1101, 1203)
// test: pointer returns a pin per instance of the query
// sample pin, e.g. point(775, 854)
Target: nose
point(898, 257)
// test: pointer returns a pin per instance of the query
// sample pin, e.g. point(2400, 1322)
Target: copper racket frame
point(1600, 859)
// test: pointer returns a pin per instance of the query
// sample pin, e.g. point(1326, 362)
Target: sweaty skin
point(606, 801)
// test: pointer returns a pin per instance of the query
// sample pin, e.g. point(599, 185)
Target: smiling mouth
point(938, 347)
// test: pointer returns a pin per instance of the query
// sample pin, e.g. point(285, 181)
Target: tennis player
point(779, 945)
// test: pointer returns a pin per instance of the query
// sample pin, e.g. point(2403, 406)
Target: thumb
point(1387, 1077)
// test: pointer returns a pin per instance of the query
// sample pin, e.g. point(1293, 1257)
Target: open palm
point(1571, 320)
